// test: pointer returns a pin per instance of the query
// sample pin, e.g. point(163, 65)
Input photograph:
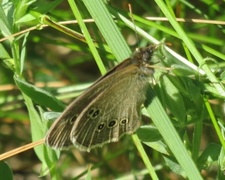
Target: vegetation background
point(44, 58)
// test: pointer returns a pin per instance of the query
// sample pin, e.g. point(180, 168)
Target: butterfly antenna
point(132, 18)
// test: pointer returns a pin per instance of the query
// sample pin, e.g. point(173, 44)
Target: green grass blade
point(87, 36)
point(108, 28)
point(169, 134)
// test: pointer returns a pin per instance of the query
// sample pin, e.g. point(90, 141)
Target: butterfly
point(108, 109)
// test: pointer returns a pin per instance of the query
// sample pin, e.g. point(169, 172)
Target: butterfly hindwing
point(106, 119)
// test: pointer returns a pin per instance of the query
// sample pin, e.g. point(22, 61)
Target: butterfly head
point(142, 58)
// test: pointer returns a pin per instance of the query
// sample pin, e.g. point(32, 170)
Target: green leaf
point(209, 155)
point(6, 19)
point(3, 53)
point(39, 95)
point(23, 53)
point(173, 99)
point(148, 133)
point(46, 155)
point(5, 171)
point(175, 167)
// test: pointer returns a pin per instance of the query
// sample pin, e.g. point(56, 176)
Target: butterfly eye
point(93, 113)
point(101, 126)
point(123, 121)
point(112, 123)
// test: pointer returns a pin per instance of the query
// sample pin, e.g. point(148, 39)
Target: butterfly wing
point(109, 109)
point(58, 135)
point(113, 113)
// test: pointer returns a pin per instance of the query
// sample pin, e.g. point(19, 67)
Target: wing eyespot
point(124, 121)
point(93, 113)
point(112, 123)
point(100, 126)
point(73, 119)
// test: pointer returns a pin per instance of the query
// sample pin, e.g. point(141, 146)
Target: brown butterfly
point(108, 109)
